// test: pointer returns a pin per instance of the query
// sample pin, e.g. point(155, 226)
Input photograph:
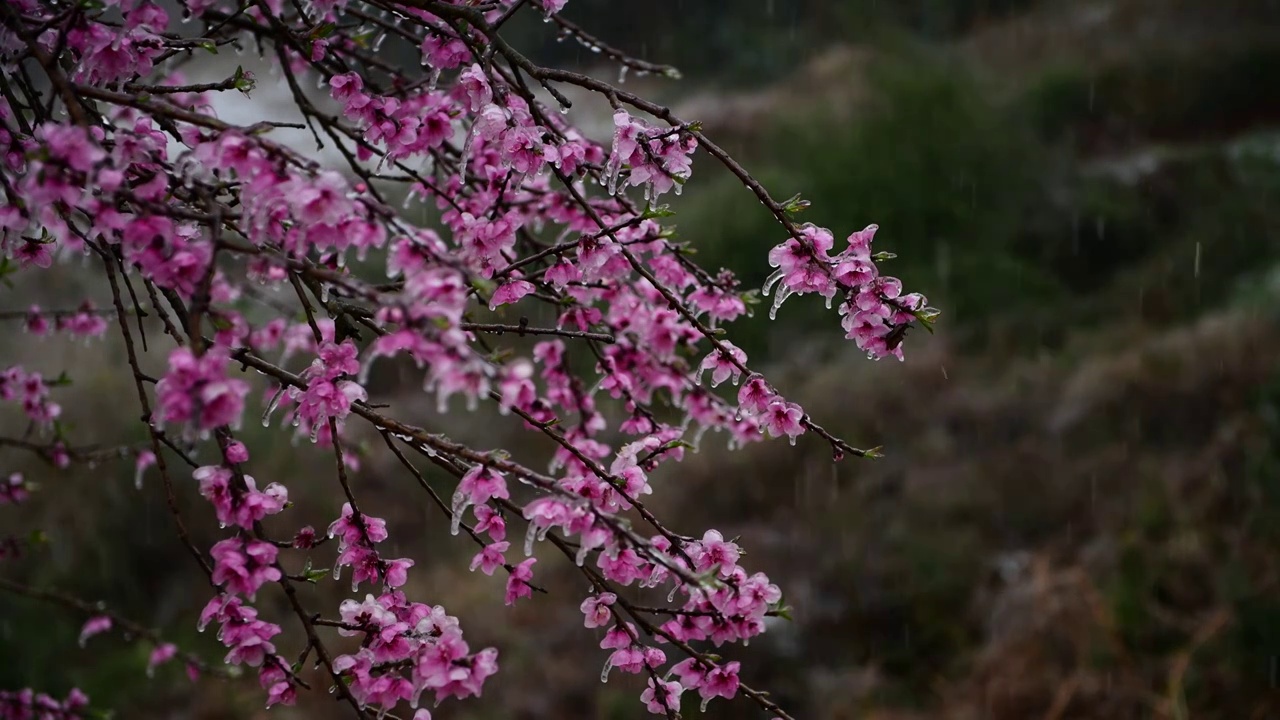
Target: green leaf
point(927, 317)
point(795, 204)
point(243, 81)
point(661, 211)
point(323, 30)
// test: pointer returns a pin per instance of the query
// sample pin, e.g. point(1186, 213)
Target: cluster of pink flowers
point(873, 305)
point(197, 390)
point(32, 392)
point(14, 490)
point(29, 705)
point(249, 641)
point(357, 533)
point(656, 159)
point(86, 322)
point(328, 394)
point(241, 506)
point(210, 223)
point(409, 648)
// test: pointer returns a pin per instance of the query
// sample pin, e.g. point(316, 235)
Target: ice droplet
point(622, 74)
point(459, 505)
point(770, 282)
point(529, 536)
point(271, 407)
point(783, 293)
point(604, 674)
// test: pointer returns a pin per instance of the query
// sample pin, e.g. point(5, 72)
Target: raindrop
point(622, 75)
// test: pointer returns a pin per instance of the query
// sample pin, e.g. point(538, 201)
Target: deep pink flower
point(662, 697)
point(596, 609)
point(490, 558)
point(518, 581)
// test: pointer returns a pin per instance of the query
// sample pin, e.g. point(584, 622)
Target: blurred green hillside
point(1079, 511)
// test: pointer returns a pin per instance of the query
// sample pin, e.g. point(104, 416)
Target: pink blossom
point(596, 609)
point(722, 681)
point(94, 626)
point(490, 558)
point(723, 364)
point(662, 697)
point(518, 581)
point(783, 418)
point(489, 521)
point(480, 484)
point(244, 565)
point(162, 654)
point(509, 293)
